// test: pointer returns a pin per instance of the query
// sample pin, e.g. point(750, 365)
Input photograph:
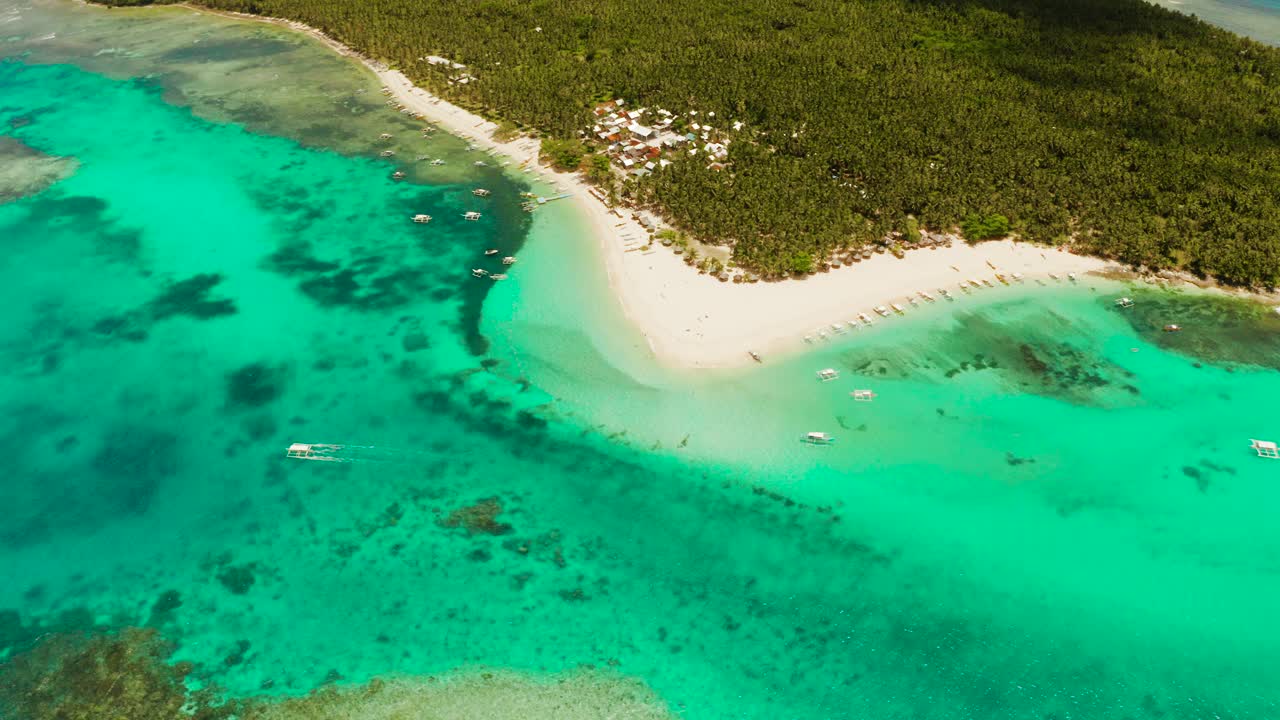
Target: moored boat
point(828, 374)
point(818, 438)
point(422, 219)
point(479, 272)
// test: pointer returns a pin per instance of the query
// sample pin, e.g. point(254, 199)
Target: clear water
point(1050, 510)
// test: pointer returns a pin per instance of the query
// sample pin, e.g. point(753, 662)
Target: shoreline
point(693, 321)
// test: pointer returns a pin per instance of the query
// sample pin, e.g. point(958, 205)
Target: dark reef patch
point(187, 298)
point(132, 462)
point(255, 385)
point(1029, 357)
point(190, 297)
point(218, 50)
point(1215, 329)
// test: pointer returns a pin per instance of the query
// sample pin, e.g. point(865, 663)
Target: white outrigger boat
point(828, 374)
point(865, 318)
point(1124, 302)
point(945, 293)
point(397, 175)
point(437, 161)
point(1071, 277)
point(988, 283)
point(491, 252)
point(837, 328)
point(498, 276)
point(387, 153)
point(882, 311)
point(854, 324)
point(913, 301)
point(927, 296)
point(897, 308)
point(471, 215)
point(863, 395)
point(509, 260)
point(384, 136)
point(422, 219)
point(818, 438)
point(304, 451)
point(480, 192)
point(479, 272)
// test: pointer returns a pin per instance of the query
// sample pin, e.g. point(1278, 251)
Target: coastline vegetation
point(1120, 128)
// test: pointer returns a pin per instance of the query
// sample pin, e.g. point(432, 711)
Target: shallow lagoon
point(1049, 511)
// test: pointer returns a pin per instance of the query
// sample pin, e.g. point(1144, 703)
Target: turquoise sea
point(1049, 511)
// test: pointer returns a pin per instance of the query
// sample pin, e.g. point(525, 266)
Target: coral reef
point(481, 518)
point(115, 675)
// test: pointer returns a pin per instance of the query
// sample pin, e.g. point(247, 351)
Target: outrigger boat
point(387, 153)
point(508, 260)
point(755, 356)
point(480, 163)
point(944, 293)
point(862, 395)
point(1017, 276)
point(437, 161)
point(897, 308)
point(1124, 302)
point(472, 215)
point(480, 192)
point(882, 311)
point(854, 324)
point(397, 175)
point(1071, 277)
point(384, 136)
point(828, 374)
point(818, 438)
point(913, 301)
point(1172, 328)
point(866, 318)
point(422, 219)
point(927, 296)
point(988, 283)
point(837, 328)
point(479, 272)
point(492, 251)
point(499, 276)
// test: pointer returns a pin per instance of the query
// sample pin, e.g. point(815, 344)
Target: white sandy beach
point(696, 321)
point(693, 320)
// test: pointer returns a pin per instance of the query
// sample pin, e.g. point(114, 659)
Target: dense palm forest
point(1122, 128)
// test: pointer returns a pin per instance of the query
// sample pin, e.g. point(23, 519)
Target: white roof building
point(640, 130)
